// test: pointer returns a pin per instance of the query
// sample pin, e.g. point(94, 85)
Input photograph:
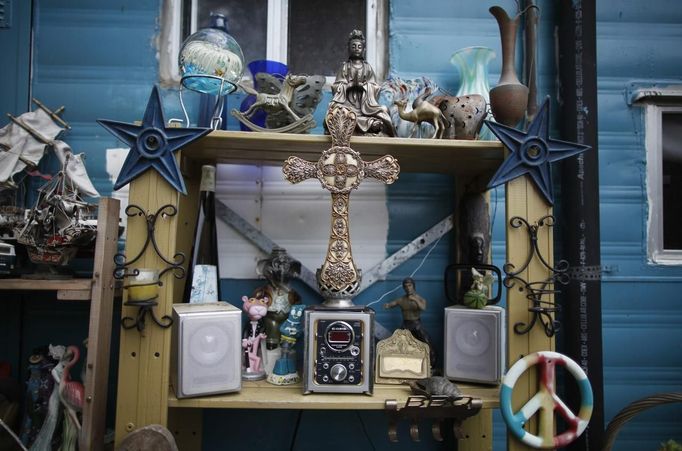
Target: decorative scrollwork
point(122, 265)
point(537, 291)
point(385, 169)
point(296, 169)
point(145, 307)
point(341, 124)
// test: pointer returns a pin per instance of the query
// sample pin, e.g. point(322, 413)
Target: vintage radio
point(338, 350)
point(206, 349)
point(474, 344)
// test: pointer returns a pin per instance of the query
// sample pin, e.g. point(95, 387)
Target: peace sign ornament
point(546, 401)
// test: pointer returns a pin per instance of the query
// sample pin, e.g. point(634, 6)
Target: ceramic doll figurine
point(284, 372)
point(44, 439)
point(278, 269)
point(477, 296)
point(412, 305)
point(39, 387)
point(71, 393)
point(254, 332)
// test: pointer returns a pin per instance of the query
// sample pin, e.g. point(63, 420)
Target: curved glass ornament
point(211, 62)
point(472, 64)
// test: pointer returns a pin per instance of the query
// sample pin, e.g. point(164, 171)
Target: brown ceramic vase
point(509, 99)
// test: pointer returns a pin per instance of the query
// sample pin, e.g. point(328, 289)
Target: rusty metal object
point(508, 100)
point(437, 408)
point(340, 170)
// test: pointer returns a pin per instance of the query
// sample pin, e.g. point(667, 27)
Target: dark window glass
point(318, 34)
point(672, 180)
point(247, 22)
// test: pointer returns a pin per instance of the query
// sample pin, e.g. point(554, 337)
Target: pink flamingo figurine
point(71, 392)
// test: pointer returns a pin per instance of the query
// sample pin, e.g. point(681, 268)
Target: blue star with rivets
point(532, 152)
point(152, 144)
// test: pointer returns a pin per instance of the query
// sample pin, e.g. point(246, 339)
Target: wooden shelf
point(67, 289)
point(458, 157)
point(262, 395)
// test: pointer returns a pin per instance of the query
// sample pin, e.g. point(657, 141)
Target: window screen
point(247, 22)
point(672, 180)
point(318, 34)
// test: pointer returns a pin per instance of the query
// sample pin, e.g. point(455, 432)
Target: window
point(309, 35)
point(664, 175)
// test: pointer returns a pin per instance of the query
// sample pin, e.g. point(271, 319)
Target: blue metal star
point(152, 144)
point(532, 152)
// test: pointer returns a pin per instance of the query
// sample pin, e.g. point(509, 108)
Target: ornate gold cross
point(340, 169)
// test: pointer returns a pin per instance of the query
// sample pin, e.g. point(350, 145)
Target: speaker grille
point(207, 340)
point(474, 344)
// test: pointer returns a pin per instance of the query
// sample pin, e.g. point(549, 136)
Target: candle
point(144, 285)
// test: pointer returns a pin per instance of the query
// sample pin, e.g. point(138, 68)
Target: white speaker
point(475, 344)
point(206, 349)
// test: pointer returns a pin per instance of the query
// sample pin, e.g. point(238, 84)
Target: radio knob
point(325, 366)
point(338, 372)
point(354, 351)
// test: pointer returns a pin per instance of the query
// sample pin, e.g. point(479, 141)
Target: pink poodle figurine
point(254, 332)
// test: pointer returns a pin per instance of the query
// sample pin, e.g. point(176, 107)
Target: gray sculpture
point(278, 269)
point(356, 88)
point(474, 235)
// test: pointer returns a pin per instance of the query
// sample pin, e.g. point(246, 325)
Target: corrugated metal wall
point(637, 42)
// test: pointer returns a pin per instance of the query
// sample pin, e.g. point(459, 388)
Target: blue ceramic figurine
point(284, 372)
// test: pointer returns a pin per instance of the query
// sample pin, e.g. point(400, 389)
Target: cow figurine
point(254, 332)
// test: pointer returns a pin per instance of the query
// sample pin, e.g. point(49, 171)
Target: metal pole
point(582, 331)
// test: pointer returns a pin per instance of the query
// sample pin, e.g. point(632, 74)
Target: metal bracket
point(381, 270)
point(438, 408)
point(255, 236)
point(589, 273)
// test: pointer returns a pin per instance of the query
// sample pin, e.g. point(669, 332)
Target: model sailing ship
point(61, 221)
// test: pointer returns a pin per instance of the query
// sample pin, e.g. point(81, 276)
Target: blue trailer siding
point(99, 60)
point(637, 43)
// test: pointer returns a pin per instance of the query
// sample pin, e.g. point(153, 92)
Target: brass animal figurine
point(275, 103)
point(423, 111)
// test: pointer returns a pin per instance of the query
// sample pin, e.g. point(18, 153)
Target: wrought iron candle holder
point(537, 291)
point(143, 288)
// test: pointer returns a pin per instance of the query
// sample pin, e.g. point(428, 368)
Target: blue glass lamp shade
point(211, 62)
point(257, 67)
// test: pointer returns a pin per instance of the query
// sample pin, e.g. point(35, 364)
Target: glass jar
point(211, 61)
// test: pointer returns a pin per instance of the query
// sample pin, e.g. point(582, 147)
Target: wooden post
point(99, 335)
point(144, 359)
point(524, 200)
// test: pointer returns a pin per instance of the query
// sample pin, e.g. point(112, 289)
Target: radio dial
point(338, 372)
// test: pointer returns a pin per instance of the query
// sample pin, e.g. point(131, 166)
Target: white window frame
point(656, 103)
point(169, 39)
